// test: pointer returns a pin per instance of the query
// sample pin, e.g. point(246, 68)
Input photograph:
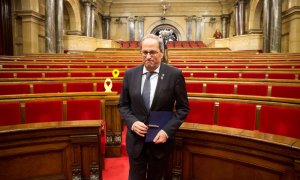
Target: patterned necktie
point(146, 90)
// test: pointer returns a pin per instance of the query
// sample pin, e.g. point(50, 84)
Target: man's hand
point(139, 128)
point(161, 137)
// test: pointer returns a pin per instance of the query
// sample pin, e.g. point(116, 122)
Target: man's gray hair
point(158, 39)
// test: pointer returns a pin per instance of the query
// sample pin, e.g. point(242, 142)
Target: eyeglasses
point(151, 53)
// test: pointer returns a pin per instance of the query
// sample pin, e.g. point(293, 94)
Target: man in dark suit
point(147, 160)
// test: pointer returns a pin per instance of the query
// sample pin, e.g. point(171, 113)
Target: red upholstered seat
point(201, 112)
point(48, 88)
point(6, 75)
point(100, 87)
point(258, 66)
point(253, 75)
point(216, 66)
point(220, 88)
point(237, 115)
point(281, 66)
point(117, 86)
point(58, 66)
point(97, 66)
point(55, 74)
point(78, 66)
point(117, 66)
point(6, 89)
point(186, 74)
point(43, 111)
point(280, 120)
point(281, 76)
point(29, 75)
point(81, 74)
point(36, 66)
point(196, 66)
point(252, 89)
point(104, 74)
point(194, 87)
point(180, 66)
point(10, 113)
point(228, 75)
point(237, 66)
point(13, 66)
point(80, 87)
point(286, 91)
point(83, 109)
point(203, 74)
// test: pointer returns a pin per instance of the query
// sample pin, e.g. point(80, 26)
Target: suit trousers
point(147, 166)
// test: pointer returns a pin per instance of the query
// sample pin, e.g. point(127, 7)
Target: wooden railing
point(214, 152)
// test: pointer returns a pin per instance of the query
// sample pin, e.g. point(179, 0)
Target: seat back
point(43, 111)
point(237, 115)
point(80, 87)
point(280, 120)
point(252, 89)
point(83, 109)
point(10, 113)
point(201, 112)
point(220, 88)
point(194, 87)
point(286, 91)
point(6, 89)
point(48, 88)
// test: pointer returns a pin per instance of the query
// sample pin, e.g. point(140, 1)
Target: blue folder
point(157, 120)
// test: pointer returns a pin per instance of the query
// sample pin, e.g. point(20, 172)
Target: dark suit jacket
point(170, 89)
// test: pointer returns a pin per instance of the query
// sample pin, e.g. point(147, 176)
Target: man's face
point(151, 54)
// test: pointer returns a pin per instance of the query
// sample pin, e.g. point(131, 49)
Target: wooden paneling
point(57, 150)
point(211, 152)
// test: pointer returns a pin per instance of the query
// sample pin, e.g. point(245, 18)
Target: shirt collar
point(156, 70)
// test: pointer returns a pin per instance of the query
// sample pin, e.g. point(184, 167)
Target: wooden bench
point(61, 85)
point(272, 89)
point(278, 116)
point(52, 107)
point(215, 152)
point(51, 150)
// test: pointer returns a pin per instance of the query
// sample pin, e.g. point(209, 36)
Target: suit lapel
point(160, 83)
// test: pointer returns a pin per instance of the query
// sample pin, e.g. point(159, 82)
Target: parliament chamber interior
point(62, 65)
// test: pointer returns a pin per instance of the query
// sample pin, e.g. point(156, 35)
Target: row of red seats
point(263, 89)
point(65, 66)
point(56, 87)
point(137, 58)
point(244, 74)
point(56, 74)
point(186, 44)
point(292, 75)
point(49, 111)
point(129, 44)
point(274, 118)
point(198, 66)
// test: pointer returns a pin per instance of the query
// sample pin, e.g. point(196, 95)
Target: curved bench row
point(188, 73)
point(52, 85)
point(215, 152)
point(117, 64)
point(275, 116)
point(51, 150)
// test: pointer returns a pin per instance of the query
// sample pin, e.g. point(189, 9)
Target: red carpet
point(117, 168)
